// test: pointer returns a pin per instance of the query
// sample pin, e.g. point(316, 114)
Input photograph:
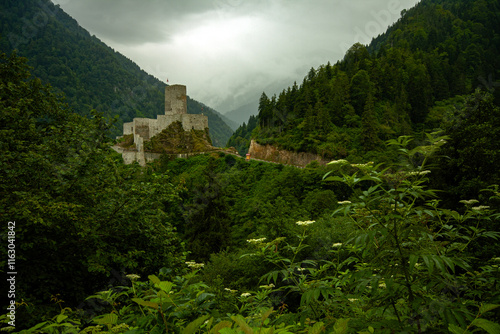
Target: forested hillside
point(89, 73)
point(398, 85)
point(397, 234)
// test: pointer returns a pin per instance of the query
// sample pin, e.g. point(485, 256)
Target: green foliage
point(409, 251)
point(81, 215)
point(227, 201)
point(436, 51)
point(241, 137)
point(394, 256)
point(207, 223)
point(473, 153)
point(390, 259)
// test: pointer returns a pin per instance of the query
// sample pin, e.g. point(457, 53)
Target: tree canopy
point(79, 212)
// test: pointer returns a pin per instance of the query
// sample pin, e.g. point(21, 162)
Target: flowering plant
point(409, 253)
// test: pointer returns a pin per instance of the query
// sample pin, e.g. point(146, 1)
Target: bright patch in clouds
point(216, 37)
point(228, 52)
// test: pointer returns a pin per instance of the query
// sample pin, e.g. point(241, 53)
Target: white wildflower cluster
point(481, 207)
point(339, 162)
point(194, 265)
point(256, 241)
point(469, 201)
point(267, 287)
point(245, 294)
point(361, 166)
point(419, 173)
point(229, 290)
point(305, 223)
point(344, 202)
point(133, 277)
point(382, 285)
point(352, 300)
point(337, 245)
point(301, 269)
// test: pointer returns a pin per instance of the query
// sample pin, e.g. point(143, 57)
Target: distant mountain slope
point(87, 71)
point(232, 124)
point(437, 50)
point(241, 114)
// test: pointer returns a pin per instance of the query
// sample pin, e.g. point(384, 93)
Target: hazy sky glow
point(228, 52)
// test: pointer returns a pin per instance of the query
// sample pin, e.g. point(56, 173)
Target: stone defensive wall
point(196, 122)
point(147, 128)
point(144, 129)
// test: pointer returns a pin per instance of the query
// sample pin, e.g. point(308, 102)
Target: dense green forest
point(234, 246)
point(401, 237)
point(89, 73)
point(397, 85)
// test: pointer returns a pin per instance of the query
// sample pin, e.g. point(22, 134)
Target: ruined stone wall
point(196, 122)
point(144, 129)
point(128, 128)
point(163, 121)
point(141, 127)
point(175, 100)
point(132, 155)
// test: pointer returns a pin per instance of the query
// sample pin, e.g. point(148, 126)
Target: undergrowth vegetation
point(388, 259)
point(399, 236)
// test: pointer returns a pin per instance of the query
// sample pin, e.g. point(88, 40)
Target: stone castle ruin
point(144, 129)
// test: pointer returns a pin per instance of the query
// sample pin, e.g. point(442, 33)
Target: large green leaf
point(195, 324)
point(145, 303)
point(340, 326)
point(223, 324)
point(106, 319)
point(61, 317)
point(240, 321)
point(487, 307)
point(154, 279)
point(165, 286)
point(489, 326)
point(317, 328)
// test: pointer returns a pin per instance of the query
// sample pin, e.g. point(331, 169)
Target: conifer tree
point(369, 137)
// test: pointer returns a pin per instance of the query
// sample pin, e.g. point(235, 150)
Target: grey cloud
point(228, 51)
point(133, 21)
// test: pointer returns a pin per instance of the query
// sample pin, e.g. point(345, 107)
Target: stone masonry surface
point(143, 129)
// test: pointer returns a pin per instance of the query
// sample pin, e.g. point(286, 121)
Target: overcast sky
point(227, 52)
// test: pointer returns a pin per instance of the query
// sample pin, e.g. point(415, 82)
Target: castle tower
point(175, 100)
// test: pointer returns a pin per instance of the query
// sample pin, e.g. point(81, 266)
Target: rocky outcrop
point(273, 154)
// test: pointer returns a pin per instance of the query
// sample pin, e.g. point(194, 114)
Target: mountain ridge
point(91, 74)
